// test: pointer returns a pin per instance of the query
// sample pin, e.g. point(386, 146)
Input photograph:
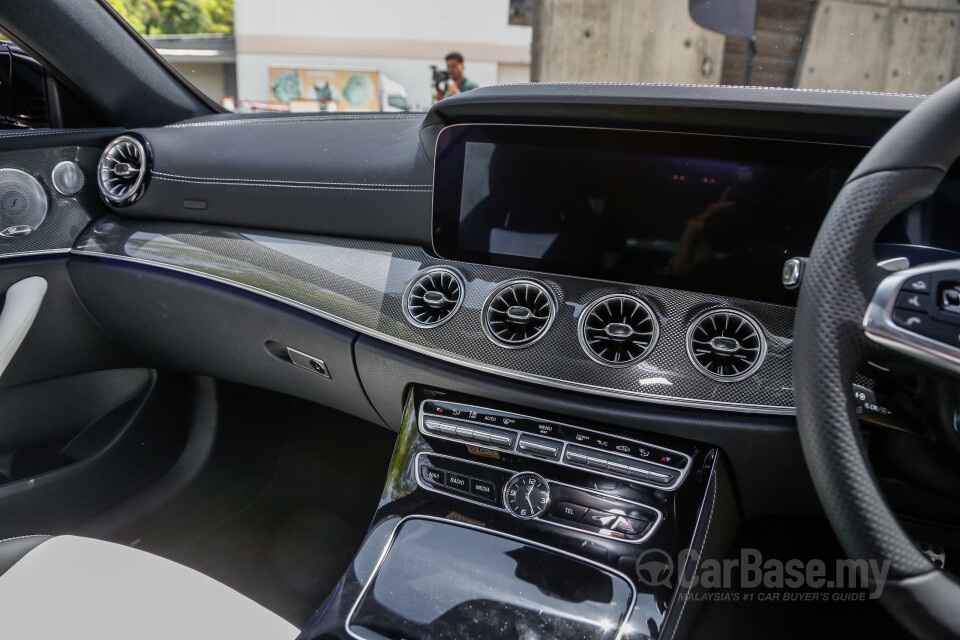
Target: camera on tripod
point(440, 79)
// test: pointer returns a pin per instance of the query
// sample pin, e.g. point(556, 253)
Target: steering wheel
point(848, 305)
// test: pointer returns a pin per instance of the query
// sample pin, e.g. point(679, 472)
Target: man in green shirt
point(458, 82)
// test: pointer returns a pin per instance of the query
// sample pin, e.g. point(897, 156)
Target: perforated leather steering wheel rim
point(905, 167)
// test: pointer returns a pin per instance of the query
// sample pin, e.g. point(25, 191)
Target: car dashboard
point(573, 303)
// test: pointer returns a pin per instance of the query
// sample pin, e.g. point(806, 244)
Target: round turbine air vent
point(618, 330)
point(433, 297)
point(122, 172)
point(726, 345)
point(518, 313)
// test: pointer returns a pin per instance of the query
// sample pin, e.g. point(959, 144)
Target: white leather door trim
point(20, 308)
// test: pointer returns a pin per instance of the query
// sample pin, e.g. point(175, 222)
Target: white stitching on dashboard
point(706, 532)
point(32, 535)
point(283, 120)
point(285, 182)
point(291, 186)
point(711, 86)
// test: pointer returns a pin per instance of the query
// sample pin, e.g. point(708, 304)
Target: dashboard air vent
point(433, 297)
point(518, 313)
point(726, 345)
point(122, 172)
point(618, 330)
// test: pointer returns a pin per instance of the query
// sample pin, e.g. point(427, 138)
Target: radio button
point(458, 482)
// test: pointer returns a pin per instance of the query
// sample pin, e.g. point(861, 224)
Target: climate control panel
point(555, 442)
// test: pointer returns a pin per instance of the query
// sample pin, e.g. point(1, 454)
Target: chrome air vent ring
point(433, 297)
point(726, 345)
point(123, 170)
point(518, 313)
point(618, 330)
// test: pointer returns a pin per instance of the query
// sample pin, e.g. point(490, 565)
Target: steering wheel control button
point(950, 299)
point(917, 284)
point(569, 511)
point(911, 301)
point(483, 489)
point(540, 446)
point(916, 322)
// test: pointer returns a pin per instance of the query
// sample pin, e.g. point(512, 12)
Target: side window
point(23, 94)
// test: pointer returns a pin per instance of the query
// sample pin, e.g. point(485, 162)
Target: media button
point(483, 489)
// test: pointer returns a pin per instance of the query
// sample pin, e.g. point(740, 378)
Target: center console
point(500, 522)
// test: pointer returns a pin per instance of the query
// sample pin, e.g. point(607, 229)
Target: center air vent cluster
point(518, 313)
point(433, 297)
point(726, 345)
point(122, 171)
point(618, 330)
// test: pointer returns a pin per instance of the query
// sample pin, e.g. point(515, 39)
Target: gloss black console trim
point(467, 525)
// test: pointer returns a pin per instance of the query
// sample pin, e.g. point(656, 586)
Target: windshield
point(400, 55)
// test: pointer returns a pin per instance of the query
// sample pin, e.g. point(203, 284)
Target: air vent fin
point(518, 313)
point(433, 297)
point(726, 345)
point(122, 172)
point(618, 330)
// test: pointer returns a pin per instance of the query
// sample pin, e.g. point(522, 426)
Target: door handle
point(20, 308)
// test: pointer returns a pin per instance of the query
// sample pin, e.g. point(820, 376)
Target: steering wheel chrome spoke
point(916, 312)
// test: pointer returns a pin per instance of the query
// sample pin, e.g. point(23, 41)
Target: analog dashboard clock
point(526, 495)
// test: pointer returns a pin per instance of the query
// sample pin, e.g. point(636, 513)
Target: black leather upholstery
point(338, 174)
point(12, 550)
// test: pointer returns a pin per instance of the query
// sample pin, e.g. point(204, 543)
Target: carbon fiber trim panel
point(360, 284)
point(67, 216)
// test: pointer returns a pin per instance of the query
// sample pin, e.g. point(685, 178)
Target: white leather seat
point(80, 588)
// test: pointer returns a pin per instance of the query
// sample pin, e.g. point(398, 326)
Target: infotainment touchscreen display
point(704, 213)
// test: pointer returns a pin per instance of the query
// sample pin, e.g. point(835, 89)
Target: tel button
point(916, 322)
point(569, 511)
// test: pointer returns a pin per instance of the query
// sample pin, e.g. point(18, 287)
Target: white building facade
point(400, 38)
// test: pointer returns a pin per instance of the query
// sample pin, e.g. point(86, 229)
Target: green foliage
point(154, 17)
